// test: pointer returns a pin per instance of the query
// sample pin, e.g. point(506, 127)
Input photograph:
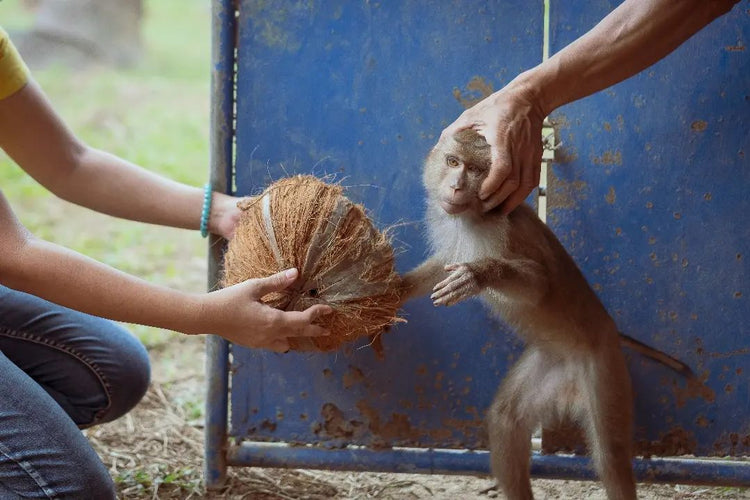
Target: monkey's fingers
point(449, 299)
point(458, 286)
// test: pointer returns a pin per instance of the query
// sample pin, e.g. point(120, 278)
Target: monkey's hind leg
point(610, 423)
point(510, 422)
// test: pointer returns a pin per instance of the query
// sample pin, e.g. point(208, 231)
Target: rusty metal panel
point(360, 91)
point(650, 196)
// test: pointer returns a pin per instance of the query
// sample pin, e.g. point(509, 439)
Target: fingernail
point(291, 273)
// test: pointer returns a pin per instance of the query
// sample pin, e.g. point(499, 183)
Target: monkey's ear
point(247, 202)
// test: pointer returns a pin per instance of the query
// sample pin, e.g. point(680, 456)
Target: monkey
point(573, 365)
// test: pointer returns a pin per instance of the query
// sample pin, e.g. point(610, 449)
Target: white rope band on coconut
point(266, 204)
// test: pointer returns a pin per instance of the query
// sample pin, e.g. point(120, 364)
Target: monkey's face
point(454, 171)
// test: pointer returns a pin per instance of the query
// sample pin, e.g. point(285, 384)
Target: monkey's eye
point(452, 161)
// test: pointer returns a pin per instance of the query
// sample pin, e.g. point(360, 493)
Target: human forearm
point(108, 184)
point(632, 37)
point(95, 179)
point(75, 281)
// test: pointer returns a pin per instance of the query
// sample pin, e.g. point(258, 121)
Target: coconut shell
point(343, 260)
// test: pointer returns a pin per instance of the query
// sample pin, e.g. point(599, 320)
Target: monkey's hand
point(462, 283)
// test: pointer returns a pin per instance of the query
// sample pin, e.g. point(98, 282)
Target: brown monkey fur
point(573, 365)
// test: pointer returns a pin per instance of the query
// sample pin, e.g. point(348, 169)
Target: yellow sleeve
point(13, 71)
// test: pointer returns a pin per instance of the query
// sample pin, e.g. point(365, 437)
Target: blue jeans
point(60, 371)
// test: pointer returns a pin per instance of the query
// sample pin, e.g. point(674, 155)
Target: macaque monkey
point(573, 365)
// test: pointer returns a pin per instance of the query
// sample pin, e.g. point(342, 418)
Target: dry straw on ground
point(344, 261)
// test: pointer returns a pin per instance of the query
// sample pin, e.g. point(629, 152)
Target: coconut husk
point(343, 260)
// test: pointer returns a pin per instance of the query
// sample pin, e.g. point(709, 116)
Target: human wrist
point(220, 206)
point(534, 87)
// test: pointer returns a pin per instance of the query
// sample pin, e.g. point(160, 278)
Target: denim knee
point(94, 368)
point(126, 372)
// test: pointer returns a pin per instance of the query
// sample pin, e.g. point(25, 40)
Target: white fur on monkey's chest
point(457, 240)
point(463, 240)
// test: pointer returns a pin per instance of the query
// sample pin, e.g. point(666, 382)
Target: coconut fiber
point(343, 260)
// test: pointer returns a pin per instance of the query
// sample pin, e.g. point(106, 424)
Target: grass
point(155, 115)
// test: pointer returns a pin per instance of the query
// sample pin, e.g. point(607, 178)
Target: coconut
point(343, 260)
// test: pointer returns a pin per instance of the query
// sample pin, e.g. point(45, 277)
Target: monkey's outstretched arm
point(421, 280)
point(521, 280)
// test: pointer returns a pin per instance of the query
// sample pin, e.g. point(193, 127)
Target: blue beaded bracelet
point(207, 197)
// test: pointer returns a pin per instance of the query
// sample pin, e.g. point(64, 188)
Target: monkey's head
point(454, 170)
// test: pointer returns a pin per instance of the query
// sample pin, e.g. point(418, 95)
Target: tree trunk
point(82, 32)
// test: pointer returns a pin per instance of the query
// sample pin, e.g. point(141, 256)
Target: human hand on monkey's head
point(511, 122)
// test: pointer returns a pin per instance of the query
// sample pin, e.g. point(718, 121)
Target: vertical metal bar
point(542, 198)
point(223, 46)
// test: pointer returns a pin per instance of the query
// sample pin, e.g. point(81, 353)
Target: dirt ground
point(156, 452)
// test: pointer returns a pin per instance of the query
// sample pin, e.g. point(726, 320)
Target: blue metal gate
point(646, 196)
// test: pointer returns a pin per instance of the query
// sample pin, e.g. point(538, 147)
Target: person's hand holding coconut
point(238, 315)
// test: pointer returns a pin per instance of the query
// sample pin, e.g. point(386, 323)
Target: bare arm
point(36, 138)
point(72, 280)
point(521, 280)
point(420, 280)
point(632, 37)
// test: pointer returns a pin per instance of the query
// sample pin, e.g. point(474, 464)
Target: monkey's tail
point(658, 356)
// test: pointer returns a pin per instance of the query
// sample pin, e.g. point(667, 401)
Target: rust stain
point(476, 90)
point(699, 126)
point(675, 442)
point(565, 194)
point(732, 443)
point(607, 126)
point(608, 158)
point(334, 424)
point(611, 196)
point(441, 434)
point(735, 48)
point(695, 388)
point(398, 428)
point(268, 425)
point(707, 196)
point(439, 380)
point(701, 421)
point(353, 376)
point(736, 352)
point(370, 415)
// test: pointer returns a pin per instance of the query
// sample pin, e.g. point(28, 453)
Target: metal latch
point(549, 145)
